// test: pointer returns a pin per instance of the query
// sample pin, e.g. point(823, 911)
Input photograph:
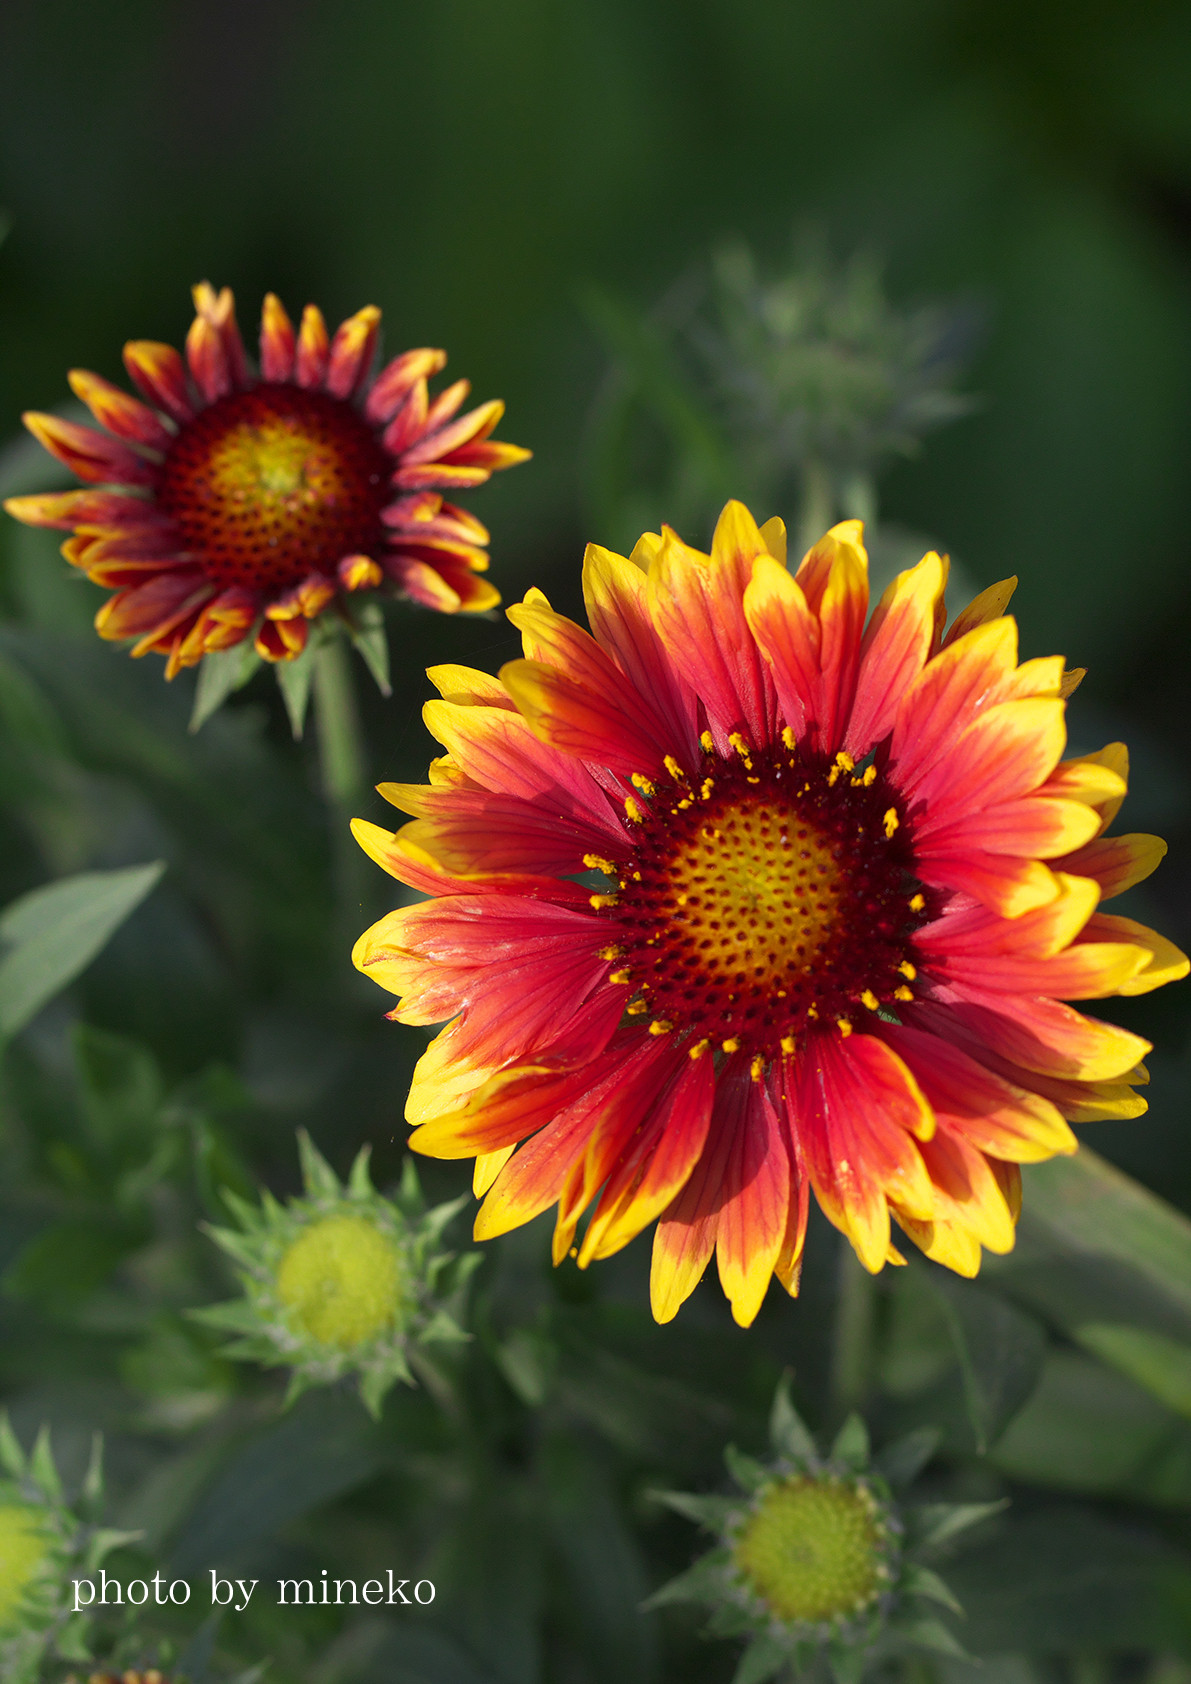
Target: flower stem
point(851, 1357)
point(341, 752)
point(816, 503)
point(858, 499)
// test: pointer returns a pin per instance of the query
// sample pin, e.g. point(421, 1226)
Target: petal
point(895, 648)
point(589, 724)
point(313, 351)
point(277, 340)
point(402, 857)
point(858, 1109)
point(948, 694)
point(499, 751)
point(66, 510)
point(1039, 1034)
point(615, 594)
point(1034, 826)
point(752, 1219)
point(351, 352)
point(159, 373)
point(93, 456)
point(989, 605)
point(654, 1165)
point(473, 832)
point(696, 603)
point(1116, 863)
point(1006, 752)
point(685, 1236)
point(1164, 962)
point(397, 380)
point(994, 1114)
point(214, 349)
point(125, 416)
point(1010, 886)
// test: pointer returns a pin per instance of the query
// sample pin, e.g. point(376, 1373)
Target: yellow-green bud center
point(811, 1550)
point(341, 1281)
point(23, 1549)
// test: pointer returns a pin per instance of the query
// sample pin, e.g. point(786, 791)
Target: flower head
point(341, 1281)
point(843, 880)
point(43, 1541)
point(233, 504)
point(816, 1555)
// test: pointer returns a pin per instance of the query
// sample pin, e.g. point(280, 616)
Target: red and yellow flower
point(232, 502)
point(848, 881)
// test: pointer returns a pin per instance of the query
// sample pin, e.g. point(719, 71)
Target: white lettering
point(397, 1591)
point(246, 1592)
point(219, 1585)
point(139, 1600)
point(380, 1591)
point(78, 1584)
point(418, 1597)
point(175, 1586)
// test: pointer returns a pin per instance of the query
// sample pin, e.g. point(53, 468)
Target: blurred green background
point(476, 170)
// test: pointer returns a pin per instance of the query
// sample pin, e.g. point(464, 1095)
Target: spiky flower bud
point(44, 1543)
point(816, 1560)
point(341, 1281)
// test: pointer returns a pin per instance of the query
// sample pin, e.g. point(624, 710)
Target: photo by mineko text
point(235, 1595)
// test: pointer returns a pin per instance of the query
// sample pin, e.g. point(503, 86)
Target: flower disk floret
point(237, 503)
point(342, 1281)
point(745, 894)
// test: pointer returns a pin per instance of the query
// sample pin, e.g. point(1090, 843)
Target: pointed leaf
point(12, 1457)
point(918, 1580)
point(368, 635)
point(294, 680)
point(789, 1433)
point(219, 675)
point(712, 1512)
point(761, 1660)
point(53, 933)
point(317, 1175)
point(42, 1467)
point(902, 1461)
point(934, 1635)
point(851, 1444)
point(748, 1473)
point(936, 1524)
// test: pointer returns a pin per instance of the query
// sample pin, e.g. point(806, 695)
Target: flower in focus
point(816, 1557)
point(232, 504)
point(846, 881)
point(341, 1281)
point(43, 1541)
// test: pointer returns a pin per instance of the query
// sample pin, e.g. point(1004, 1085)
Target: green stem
point(816, 507)
point(858, 499)
point(340, 748)
point(855, 1315)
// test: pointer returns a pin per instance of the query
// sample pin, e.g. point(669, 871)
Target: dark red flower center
point(270, 485)
point(766, 895)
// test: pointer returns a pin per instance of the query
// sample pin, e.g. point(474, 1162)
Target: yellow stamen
point(633, 810)
point(642, 783)
point(597, 862)
point(917, 902)
point(869, 776)
point(660, 1026)
point(621, 976)
point(868, 998)
point(757, 1068)
point(891, 822)
point(789, 1045)
point(705, 791)
point(788, 738)
point(731, 1045)
point(903, 993)
point(699, 1048)
point(674, 769)
point(613, 952)
point(637, 1008)
point(707, 741)
point(843, 763)
point(599, 902)
point(907, 970)
point(844, 1027)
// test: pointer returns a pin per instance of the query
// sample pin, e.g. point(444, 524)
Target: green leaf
point(1161, 1365)
point(219, 675)
point(1109, 1263)
point(294, 680)
point(53, 933)
point(851, 1444)
point(788, 1432)
point(902, 1461)
point(761, 1660)
point(918, 1580)
point(931, 1634)
point(318, 1177)
point(367, 622)
point(748, 1473)
point(1000, 1350)
point(712, 1512)
point(935, 1524)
